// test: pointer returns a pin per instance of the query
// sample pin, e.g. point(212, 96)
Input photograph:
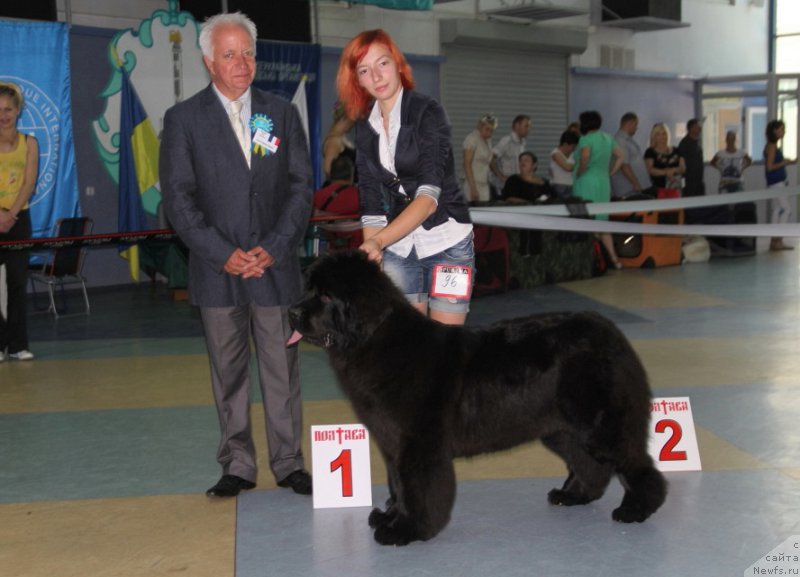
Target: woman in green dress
point(594, 168)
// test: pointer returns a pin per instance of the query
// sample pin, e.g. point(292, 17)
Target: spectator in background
point(593, 170)
point(664, 164)
point(632, 181)
point(336, 143)
point(731, 163)
point(478, 159)
point(775, 169)
point(505, 160)
point(19, 167)
point(575, 127)
point(562, 163)
point(691, 151)
point(340, 197)
point(526, 187)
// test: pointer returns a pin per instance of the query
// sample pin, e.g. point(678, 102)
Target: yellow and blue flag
point(138, 167)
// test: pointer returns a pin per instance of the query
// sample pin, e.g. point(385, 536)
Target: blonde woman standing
point(19, 167)
point(664, 164)
point(478, 159)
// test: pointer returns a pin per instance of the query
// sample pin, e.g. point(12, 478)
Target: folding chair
point(64, 266)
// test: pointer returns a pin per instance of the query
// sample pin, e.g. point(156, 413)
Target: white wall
point(415, 32)
point(723, 39)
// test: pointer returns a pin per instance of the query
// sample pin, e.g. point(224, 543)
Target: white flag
point(299, 100)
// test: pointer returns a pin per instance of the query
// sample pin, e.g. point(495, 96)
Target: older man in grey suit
point(236, 180)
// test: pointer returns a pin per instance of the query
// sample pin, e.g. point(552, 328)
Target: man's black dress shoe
point(229, 486)
point(299, 482)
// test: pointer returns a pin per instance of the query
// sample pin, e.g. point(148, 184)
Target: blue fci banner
point(280, 68)
point(36, 58)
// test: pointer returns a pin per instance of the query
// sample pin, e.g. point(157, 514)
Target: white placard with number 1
point(341, 466)
point(673, 441)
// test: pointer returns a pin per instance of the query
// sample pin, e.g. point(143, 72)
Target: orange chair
point(649, 251)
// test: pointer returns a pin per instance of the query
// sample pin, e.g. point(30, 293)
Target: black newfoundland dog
point(429, 393)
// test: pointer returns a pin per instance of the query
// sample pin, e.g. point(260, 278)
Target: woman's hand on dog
point(373, 249)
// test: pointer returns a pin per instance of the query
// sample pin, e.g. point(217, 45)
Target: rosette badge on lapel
point(264, 142)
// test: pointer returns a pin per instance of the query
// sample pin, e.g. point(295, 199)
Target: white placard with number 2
point(673, 440)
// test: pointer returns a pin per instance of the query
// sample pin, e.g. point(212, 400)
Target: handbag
point(662, 193)
point(396, 200)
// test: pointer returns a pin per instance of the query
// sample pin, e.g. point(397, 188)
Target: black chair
point(63, 266)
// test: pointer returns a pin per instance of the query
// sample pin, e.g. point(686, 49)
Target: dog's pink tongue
point(294, 339)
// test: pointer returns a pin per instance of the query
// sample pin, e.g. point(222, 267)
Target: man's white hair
point(228, 19)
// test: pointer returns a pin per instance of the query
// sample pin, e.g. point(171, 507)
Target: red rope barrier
point(93, 240)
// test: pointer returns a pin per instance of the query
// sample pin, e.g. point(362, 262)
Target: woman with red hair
point(415, 218)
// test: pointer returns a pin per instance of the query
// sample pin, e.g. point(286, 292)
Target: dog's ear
point(360, 295)
point(357, 312)
point(356, 324)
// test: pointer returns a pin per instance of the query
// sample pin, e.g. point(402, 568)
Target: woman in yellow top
point(19, 166)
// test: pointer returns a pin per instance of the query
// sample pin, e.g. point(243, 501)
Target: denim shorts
point(414, 276)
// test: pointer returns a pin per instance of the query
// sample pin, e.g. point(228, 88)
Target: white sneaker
point(2, 356)
point(21, 356)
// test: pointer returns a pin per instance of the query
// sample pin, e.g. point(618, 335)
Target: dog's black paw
point(378, 518)
point(567, 499)
point(628, 514)
point(645, 492)
point(398, 534)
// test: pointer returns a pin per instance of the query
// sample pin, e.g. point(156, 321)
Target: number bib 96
point(451, 281)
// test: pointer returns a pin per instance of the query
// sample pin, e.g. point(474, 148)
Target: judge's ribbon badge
point(264, 142)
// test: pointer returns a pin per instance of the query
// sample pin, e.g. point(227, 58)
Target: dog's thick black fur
point(428, 393)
